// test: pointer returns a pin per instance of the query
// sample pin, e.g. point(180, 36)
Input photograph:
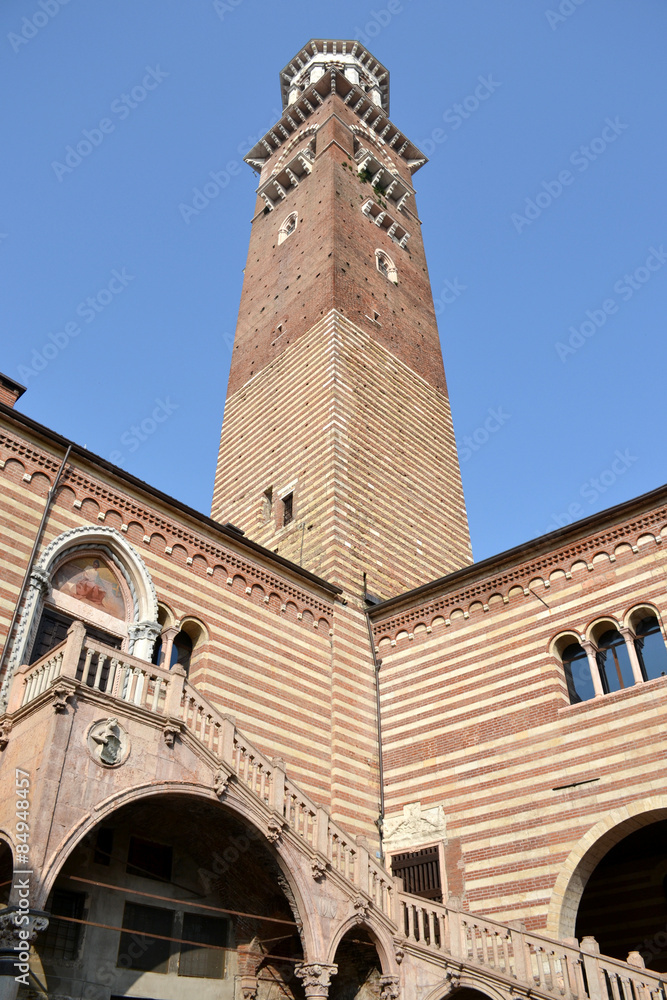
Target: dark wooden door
point(52, 630)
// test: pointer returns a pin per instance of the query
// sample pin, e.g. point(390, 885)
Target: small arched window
point(613, 661)
point(650, 646)
point(386, 266)
point(288, 227)
point(181, 651)
point(577, 673)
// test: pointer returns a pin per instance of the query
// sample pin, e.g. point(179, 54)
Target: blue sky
point(543, 208)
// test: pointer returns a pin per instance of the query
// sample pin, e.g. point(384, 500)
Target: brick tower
point(337, 447)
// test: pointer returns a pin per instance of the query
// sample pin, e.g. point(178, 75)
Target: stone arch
point(380, 937)
point(143, 626)
point(469, 986)
point(6, 867)
point(584, 857)
point(284, 854)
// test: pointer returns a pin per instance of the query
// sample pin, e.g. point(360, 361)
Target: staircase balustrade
point(549, 967)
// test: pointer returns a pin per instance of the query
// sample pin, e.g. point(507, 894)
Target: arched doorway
point(171, 897)
point(624, 902)
point(359, 967)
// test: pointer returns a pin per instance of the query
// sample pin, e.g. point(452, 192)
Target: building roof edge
point(235, 536)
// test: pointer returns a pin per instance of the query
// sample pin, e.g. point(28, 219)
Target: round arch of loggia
point(469, 981)
point(383, 943)
point(589, 851)
point(285, 854)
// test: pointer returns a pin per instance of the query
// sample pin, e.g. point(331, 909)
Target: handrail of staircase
point(549, 967)
point(170, 694)
point(536, 962)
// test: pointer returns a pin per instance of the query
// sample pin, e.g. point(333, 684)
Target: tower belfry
point(337, 448)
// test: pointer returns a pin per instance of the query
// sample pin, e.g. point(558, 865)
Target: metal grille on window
point(420, 871)
point(207, 958)
point(62, 937)
point(137, 949)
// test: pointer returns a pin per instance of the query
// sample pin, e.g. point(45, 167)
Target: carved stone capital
point(274, 829)
point(144, 630)
point(61, 695)
point(170, 731)
point(9, 927)
point(221, 780)
point(5, 730)
point(361, 909)
point(318, 867)
point(390, 988)
point(316, 979)
point(453, 979)
point(39, 581)
point(249, 987)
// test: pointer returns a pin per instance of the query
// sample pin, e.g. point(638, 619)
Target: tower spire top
point(319, 54)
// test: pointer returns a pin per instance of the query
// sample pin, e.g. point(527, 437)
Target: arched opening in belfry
point(359, 968)
point(624, 903)
point(172, 895)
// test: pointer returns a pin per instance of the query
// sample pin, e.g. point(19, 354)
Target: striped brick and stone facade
point(349, 688)
point(337, 394)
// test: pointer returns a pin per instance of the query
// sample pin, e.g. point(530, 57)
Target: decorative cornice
point(309, 101)
point(150, 522)
point(477, 595)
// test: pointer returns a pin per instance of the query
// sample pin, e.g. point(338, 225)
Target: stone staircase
point(461, 944)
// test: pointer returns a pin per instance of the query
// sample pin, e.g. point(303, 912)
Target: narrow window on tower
point(386, 266)
point(288, 509)
point(288, 227)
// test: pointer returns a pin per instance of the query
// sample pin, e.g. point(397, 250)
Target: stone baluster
point(316, 979)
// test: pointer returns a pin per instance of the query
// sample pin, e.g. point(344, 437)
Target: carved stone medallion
point(108, 743)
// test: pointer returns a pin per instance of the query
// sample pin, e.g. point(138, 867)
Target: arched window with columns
point(94, 575)
point(645, 633)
